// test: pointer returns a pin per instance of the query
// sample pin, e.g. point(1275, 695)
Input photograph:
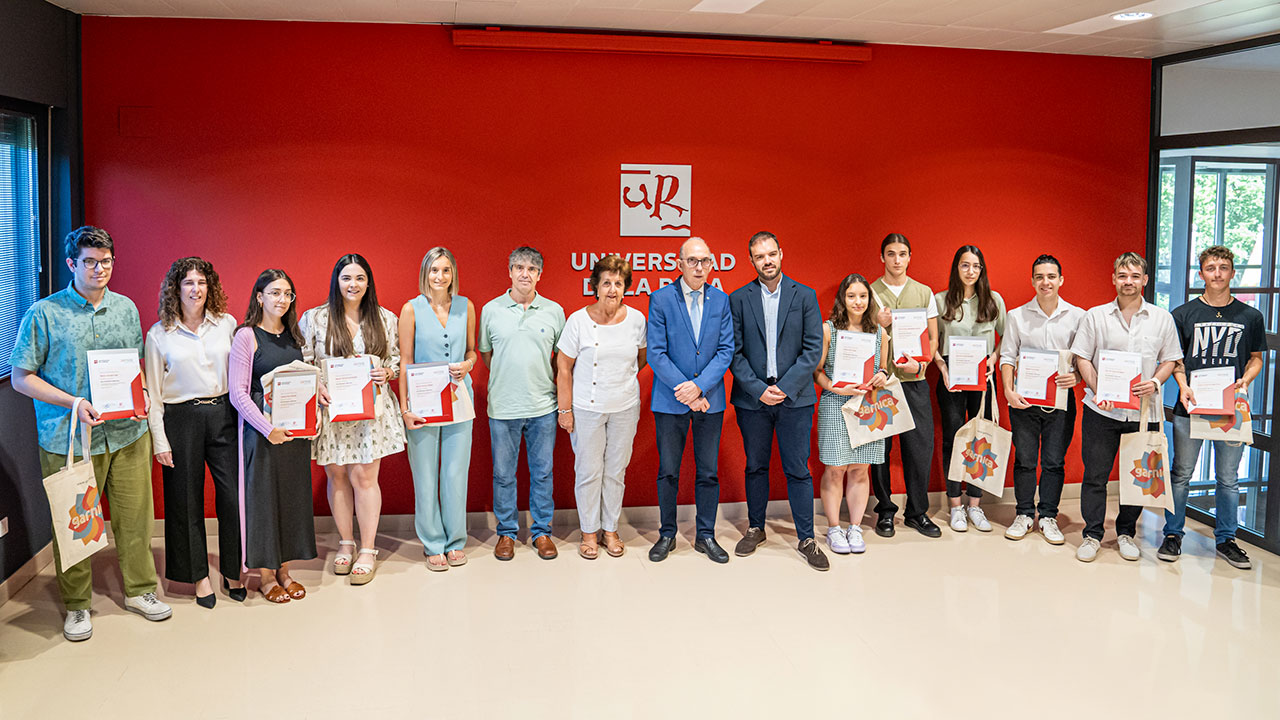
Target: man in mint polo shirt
point(518, 334)
point(50, 365)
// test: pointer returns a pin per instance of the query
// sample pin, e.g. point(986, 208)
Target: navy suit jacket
point(675, 356)
point(799, 348)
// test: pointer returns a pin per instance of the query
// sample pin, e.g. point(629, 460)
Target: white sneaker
point(77, 627)
point(856, 543)
point(979, 519)
point(837, 541)
point(148, 606)
point(1049, 529)
point(1128, 548)
point(1018, 530)
point(1088, 550)
point(958, 523)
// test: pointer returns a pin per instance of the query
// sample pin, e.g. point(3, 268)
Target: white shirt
point(1028, 326)
point(769, 305)
point(182, 365)
point(930, 310)
point(688, 296)
point(606, 360)
point(1151, 333)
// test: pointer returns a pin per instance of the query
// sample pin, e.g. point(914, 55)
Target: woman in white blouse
point(193, 425)
point(352, 324)
point(601, 350)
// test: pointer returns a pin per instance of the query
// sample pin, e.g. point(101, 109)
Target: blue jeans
point(1226, 468)
point(540, 444)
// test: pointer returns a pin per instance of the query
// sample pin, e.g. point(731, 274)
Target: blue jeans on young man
point(1226, 469)
point(793, 426)
point(539, 435)
point(672, 430)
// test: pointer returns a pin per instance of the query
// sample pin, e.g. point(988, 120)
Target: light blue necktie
point(695, 314)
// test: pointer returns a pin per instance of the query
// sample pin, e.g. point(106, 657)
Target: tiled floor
point(966, 626)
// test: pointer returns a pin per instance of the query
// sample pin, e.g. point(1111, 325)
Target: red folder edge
point(1228, 403)
point(867, 371)
point(446, 404)
point(311, 430)
point(982, 375)
point(1133, 403)
point(1050, 393)
point(368, 412)
point(139, 404)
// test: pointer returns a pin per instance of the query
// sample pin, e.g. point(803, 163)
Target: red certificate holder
point(1050, 393)
point(447, 398)
point(1133, 403)
point(312, 428)
point(367, 409)
point(924, 345)
point(868, 369)
point(139, 409)
point(982, 378)
point(1228, 403)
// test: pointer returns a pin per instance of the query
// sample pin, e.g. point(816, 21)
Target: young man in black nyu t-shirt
point(1216, 330)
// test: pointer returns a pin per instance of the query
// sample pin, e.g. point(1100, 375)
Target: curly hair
point(170, 307)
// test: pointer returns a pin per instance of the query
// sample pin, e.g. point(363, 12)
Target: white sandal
point(360, 578)
point(342, 561)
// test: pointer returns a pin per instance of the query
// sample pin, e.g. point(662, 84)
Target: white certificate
point(1037, 370)
point(1213, 389)
point(426, 383)
point(291, 395)
point(350, 387)
point(965, 361)
point(113, 375)
point(910, 333)
point(1117, 372)
point(855, 358)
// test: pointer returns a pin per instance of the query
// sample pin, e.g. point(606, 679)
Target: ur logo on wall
point(656, 201)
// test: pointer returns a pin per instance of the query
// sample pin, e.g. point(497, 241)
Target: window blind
point(19, 227)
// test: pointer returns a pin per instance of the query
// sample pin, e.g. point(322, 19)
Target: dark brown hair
point(1220, 252)
point(253, 315)
point(170, 308)
point(840, 312)
point(339, 342)
point(611, 264)
point(987, 307)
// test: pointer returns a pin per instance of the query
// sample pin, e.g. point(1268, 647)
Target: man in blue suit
point(690, 339)
point(777, 336)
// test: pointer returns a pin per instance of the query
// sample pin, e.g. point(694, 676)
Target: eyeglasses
point(277, 294)
point(94, 264)
point(975, 267)
point(696, 262)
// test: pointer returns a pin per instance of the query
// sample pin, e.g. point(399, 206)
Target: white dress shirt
point(606, 360)
point(769, 301)
point(182, 365)
point(1151, 333)
point(1028, 326)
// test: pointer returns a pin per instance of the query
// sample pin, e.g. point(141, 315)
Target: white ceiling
point(1078, 27)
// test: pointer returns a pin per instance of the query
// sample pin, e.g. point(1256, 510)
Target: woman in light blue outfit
point(439, 326)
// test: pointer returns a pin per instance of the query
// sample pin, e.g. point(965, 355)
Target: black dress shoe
point(813, 554)
point(884, 526)
point(662, 549)
point(237, 594)
point(749, 542)
point(711, 549)
point(924, 526)
point(206, 601)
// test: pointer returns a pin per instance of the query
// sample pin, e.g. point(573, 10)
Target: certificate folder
point(283, 384)
point(115, 383)
point(351, 389)
point(418, 373)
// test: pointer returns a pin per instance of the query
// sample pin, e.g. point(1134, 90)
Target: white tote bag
point(78, 523)
point(1234, 428)
point(980, 453)
point(878, 414)
point(1144, 464)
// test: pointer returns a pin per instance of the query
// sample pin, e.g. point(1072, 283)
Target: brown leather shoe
point(505, 549)
point(546, 547)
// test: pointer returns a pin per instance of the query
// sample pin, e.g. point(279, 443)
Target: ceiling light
point(1131, 16)
point(725, 6)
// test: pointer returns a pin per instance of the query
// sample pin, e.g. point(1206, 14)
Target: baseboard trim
point(26, 573)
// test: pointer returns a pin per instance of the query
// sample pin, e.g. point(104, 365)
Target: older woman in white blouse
point(601, 350)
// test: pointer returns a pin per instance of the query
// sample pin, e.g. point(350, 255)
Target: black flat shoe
point(709, 547)
point(924, 526)
point(661, 549)
point(206, 601)
point(749, 542)
point(884, 526)
point(238, 594)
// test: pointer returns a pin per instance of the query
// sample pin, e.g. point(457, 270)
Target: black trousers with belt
point(201, 433)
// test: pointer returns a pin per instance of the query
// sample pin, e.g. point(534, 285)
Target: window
point(19, 225)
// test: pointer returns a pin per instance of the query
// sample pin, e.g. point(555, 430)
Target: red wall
point(259, 144)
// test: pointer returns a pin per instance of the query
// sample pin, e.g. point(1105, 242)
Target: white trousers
point(602, 450)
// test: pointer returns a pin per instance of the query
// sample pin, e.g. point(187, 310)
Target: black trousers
point(955, 409)
point(917, 456)
point(200, 434)
point(1099, 445)
point(1041, 439)
point(672, 431)
point(793, 427)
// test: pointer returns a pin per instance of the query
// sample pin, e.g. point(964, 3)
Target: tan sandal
point(613, 544)
point(437, 567)
point(590, 551)
point(362, 573)
point(342, 561)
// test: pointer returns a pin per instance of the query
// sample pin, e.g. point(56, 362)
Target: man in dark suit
point(690, 339)
point(777, 335)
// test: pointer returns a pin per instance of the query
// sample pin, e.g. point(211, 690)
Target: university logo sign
point(979, 461)
point(655, 201)
point(1148, 473)
point(878, 414)
point(86, 517)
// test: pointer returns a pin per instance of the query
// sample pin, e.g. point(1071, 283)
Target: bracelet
point(563, 412)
